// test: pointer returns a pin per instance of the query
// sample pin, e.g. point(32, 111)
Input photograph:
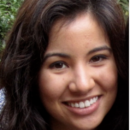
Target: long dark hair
point(23, 57)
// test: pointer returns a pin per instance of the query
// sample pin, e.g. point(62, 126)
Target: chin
point(89, 124)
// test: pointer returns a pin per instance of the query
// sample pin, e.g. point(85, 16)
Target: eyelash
point(62, 64)
point(58, 65)
point(98, 58)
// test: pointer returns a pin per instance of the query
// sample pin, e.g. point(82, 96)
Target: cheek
point(51, 86)
point(108, 77)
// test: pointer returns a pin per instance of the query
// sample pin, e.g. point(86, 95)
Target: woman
point(64, 67)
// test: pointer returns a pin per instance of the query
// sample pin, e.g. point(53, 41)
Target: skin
point(79, 64)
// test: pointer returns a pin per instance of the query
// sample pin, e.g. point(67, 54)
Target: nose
point(82, 80)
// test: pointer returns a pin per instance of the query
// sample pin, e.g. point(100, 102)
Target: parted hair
point(23, 56)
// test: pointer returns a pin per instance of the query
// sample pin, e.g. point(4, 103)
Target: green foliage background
point(9, 8)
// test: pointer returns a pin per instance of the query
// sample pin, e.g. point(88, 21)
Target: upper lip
point(78, 100)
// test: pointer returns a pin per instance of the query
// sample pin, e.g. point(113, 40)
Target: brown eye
point(58, 65)
point(98, 58)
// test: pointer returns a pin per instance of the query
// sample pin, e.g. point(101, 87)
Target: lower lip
point(86, 110)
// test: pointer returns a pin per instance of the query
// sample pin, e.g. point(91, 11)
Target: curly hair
point(23, 57)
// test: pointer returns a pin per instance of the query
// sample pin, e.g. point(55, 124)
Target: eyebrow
point(55, 54)
point(68, 56)
point(100, 49)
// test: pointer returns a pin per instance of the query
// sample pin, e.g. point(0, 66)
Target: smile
point(83, 104)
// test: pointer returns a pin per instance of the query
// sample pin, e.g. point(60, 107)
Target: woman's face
point(78, 79)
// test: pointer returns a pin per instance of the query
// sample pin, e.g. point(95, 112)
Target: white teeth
point(91, 101)
point(94, 100)
point(81, 105)
point(72, 104)
point(76, 105)
point(87, 103)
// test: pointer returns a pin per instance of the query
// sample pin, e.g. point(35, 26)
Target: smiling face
point(78, 79)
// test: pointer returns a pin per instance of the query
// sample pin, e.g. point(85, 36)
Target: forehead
point(84, 24)
point(75, 23)
point(76, 38)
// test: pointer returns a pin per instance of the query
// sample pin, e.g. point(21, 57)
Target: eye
point(58, 65)
point(98, 58)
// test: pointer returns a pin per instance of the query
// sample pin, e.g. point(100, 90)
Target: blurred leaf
point(8, 10)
